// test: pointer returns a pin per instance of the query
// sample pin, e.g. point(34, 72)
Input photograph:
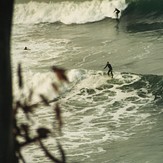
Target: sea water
point(106, 120)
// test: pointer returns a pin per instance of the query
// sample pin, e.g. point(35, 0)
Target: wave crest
point(144, 7)
point(66, 12)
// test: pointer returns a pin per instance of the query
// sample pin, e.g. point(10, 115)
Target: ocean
point(106, 120)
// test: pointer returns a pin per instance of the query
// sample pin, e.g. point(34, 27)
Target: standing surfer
point(117, 12)
point(110, 69)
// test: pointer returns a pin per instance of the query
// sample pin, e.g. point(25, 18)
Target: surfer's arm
point(115, 10)
point(105, 66)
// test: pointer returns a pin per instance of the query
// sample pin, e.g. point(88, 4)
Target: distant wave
point(67, 12)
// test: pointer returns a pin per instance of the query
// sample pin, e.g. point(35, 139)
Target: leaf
point(44, 100)
point(27, 109)
point(55, 87)
point(20, 79)
point(48, 154)
point(30, 95)
point(62, 152)
point(60, 73)
point(58, 115)
point(25, 128)
point(43, 132)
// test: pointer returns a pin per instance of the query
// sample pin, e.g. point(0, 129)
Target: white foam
point(66, 12)
point(88, 122)
point(76, 75)
point(40, 83)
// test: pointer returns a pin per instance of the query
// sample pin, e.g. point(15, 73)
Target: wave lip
point(145, 7)
point(66, 12)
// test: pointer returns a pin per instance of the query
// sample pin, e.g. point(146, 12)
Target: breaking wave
point(67, 12)
point(81, 12)
point(124, 84)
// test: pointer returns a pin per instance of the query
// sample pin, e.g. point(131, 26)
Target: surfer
point(110, 71)
point(117, 12)
point(25, 48)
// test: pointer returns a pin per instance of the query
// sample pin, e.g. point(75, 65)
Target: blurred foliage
point(22, 130)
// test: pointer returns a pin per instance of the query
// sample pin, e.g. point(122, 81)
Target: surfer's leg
point(117, 15)
point(108, 72)
point(111, 74)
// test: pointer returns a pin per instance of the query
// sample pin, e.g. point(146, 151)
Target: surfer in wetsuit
point(110, 71)
point(25, 48)
point(117, 12)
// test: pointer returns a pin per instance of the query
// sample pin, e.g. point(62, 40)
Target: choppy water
point(106, 120)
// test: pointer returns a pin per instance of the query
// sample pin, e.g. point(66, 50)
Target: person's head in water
point(25, 48)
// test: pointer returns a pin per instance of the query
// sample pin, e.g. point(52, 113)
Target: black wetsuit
point(117, 12)
point(110, 71)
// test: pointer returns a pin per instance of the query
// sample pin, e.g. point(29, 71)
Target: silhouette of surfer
point(25, 48)
point(110, 71)
point(117, 13)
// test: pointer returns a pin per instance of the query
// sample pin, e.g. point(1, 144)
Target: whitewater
point(106, 120)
